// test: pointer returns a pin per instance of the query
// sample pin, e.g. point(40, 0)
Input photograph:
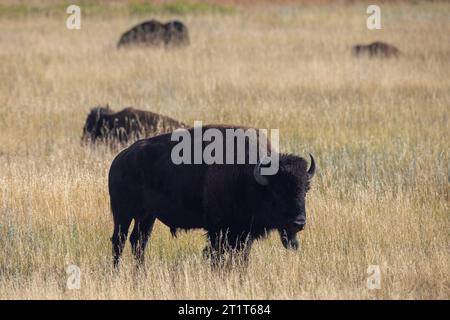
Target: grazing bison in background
point(376, 49)
point(125, 126)
point(155, 33)
point(234, 203)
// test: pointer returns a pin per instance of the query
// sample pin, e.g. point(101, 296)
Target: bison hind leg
point(139, 238)
point(119, 238)
point(122, 217)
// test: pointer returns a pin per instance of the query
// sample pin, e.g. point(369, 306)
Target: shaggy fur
point(156, 34)
point(103, 124)
point(224, 199)
point(376, 49)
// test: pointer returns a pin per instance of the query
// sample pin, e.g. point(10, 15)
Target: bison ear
point(312, 168)
point(258, 176)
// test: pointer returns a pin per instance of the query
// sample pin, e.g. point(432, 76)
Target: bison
point(129, 124)
point(376, 49)
point(156, 34)
point(234, 203)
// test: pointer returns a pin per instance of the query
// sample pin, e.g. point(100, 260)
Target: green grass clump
point(179, 8)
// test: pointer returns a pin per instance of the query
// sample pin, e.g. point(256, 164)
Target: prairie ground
point(379, 130)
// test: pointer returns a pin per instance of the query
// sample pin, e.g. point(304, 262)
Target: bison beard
point(232, 202)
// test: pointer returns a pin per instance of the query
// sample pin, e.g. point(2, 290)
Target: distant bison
point(234, 203)
point(376, 49)
point(103, 124)
point(155, 33)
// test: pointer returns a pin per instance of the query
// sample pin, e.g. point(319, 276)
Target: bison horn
point(257, 174)
point(312, 168)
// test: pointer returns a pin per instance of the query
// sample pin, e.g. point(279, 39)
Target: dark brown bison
point(155, 33)
point(376, 49)
point(103, 124)
point(234, 203)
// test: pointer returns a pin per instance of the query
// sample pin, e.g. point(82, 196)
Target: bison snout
point(290, 243)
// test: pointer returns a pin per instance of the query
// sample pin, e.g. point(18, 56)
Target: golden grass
point(378, 129)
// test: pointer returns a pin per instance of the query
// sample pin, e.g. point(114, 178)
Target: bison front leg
point(215, 251)
point(240, 250)
point(228, 249)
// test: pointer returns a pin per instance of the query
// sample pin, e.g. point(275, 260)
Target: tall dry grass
point(378, 129)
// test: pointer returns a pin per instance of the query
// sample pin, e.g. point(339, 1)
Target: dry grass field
point(379, 130)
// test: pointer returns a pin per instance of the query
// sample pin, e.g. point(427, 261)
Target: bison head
point(94, 122)
point(285, 196)
point(357, 49)
point(176, 34)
